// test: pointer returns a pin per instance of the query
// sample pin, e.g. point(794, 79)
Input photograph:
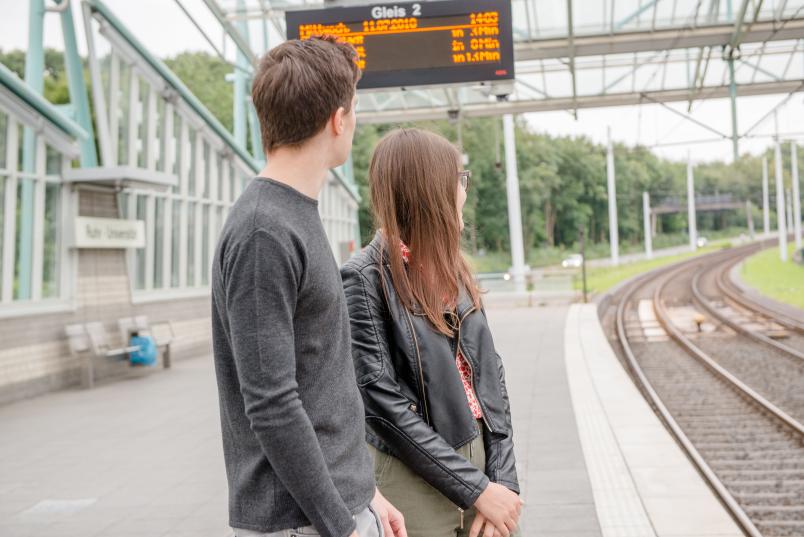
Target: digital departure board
point(419, 43)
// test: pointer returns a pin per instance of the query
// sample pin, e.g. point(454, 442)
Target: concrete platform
point(137, 458)
point(143, 457)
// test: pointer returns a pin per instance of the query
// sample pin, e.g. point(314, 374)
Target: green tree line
point(562, 184)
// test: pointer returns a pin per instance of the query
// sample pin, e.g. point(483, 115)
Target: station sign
point(419, 43)
point(108, 233)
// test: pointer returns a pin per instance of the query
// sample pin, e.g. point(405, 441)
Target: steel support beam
point(514, 211)
point(34, 78)
point(739, 31)
point(635, 14)
point(614, 238)
point(492, 108)
point(796, 195)
point(660, 39)
point(78, 89)
point(256, 133)
point(781, 225)
point(240, 41)
point(240, 83)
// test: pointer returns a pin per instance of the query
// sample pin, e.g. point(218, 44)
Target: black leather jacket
point(416, 407)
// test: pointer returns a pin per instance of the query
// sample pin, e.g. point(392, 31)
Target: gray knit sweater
point(291, 414)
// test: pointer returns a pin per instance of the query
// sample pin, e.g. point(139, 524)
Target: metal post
point(251, 114)
point(614, 241)
point(691, 223)
point(34, 77)
point(749, 218)
point(78, 89)
point(582, 240)
point(514, 216)
point(733, 97)
point(765, 198)
point(240, 89)
point(646, 224)
point(256, 136)
point(780, 218)
point(796, 195)
point(789, 210)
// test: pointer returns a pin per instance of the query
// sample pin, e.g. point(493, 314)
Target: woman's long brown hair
point(413, 178)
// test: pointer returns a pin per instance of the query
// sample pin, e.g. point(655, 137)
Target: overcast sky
point(166, 31)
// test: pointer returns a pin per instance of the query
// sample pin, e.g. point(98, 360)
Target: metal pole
point(796, 195)
point(749, 218)
point(240, 90)
point(581, 237)
point(789, 210)
point(251, 113)
point(733, 97)
point(765, 198)
point(514, 216)
point(78, 89)
point(646, 224)
point(780, 218)
point(614, 241)
point(34, 77)
point(691, 223)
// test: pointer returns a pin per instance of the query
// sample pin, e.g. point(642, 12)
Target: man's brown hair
point(299, 85)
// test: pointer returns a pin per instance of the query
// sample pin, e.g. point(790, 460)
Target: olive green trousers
point(427, 512)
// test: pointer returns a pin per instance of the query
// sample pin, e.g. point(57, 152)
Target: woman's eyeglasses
point(463, 177)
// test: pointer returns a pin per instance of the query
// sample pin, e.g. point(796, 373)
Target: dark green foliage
point(205, 75)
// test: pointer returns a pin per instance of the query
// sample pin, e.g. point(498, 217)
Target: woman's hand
point(499, 509)
point(478, 526)
point(393, 522)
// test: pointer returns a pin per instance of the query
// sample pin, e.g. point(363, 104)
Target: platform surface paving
point(143, 457)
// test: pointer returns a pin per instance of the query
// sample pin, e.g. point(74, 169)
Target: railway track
point(734, 294)
point(732, 412)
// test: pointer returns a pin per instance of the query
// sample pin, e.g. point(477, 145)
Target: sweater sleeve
point(262, 287)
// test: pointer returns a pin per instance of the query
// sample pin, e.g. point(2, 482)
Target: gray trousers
point(368, 525)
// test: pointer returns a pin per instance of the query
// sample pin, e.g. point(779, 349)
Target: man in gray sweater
point(291, 413)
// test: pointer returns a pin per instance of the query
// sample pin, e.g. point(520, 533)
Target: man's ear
point(337, 121)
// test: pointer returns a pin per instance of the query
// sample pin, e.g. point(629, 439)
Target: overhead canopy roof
point(613, 53)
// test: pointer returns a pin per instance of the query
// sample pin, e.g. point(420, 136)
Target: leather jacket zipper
point(421, 370)
point(459, 349)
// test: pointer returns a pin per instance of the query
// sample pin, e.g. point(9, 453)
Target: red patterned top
point(463, 366)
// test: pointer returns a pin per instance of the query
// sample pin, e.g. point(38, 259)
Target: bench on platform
point(90, 340)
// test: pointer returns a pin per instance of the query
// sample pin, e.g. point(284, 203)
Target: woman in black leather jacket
point(438, 421)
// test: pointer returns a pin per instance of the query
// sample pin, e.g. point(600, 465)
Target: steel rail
point(732, 381)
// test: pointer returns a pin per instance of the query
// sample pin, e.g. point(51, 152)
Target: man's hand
point(393, 523)
point(499, 509)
